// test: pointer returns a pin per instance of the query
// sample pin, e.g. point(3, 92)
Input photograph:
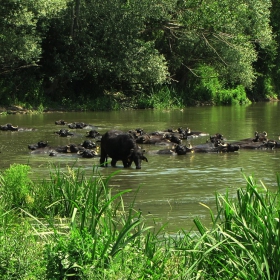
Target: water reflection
point(171, 187)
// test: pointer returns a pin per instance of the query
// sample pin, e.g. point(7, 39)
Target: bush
point(233, 96)
point(21, 253)
point(16, 187)
point(164, 97)
point(210, 89)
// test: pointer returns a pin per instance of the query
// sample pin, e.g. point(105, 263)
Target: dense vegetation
point(73, 227)
point(142, 54)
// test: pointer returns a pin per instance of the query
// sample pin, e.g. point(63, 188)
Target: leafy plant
point(244, 240)
point(21, 255)
point(82, 229)
point(16, 187)
point(100, 229)
point(161, 97)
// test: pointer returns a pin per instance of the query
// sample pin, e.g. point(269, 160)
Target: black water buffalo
point(38, 145)
point(269, 144)
point(260, 137)
point(10, 127)
point(80, 125)
point(228, 148)
point(92, 133)
point(177, 149)
point(188, 133)
point(88, 144)
point(173, 138)
point(64, 133)
point(216, 138)
point(119, 145)
point(182, 149)
point(153, 139)
point(87, 153)
point(77, 125)
point(136, 132)
point(60, 122)
point(211, 148)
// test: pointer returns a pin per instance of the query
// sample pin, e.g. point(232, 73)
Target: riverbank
point(12, 110)
point(16, 109)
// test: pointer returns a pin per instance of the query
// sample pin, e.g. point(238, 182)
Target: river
point(172, 188)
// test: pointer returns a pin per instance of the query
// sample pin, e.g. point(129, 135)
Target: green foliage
point(102, 238)
point(19, 38)
point(24, 90)
point(58, 51)
point(210, 89)
point(21, 255)
point(272, 61)
point(245, 231)
point(269, 88)
point(265, 88)
point(234, 96)
point(16, 188)
point(100, 103)
point(22, 27)
point(100, 228)
point(221, 35)
point(164, 97)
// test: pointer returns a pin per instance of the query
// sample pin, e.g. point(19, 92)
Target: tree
point(105, 47)
point(220, 34)
point(22, 27)
point(20, 41)
point(86, 47)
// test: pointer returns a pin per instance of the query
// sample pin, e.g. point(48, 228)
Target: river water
point(172, 188)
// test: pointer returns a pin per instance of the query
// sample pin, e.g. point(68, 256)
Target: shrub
point(210, 88)
point(16, 187)
point(164, 97)
point(21, 253)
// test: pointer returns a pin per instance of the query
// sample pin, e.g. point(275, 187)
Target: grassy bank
point(70, 226)
point(162, 97)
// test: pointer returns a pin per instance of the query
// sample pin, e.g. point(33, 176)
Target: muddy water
point(171, 187)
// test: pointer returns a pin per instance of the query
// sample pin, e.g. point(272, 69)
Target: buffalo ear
point(131, 151)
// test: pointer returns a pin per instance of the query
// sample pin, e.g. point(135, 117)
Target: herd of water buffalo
point(125, 146)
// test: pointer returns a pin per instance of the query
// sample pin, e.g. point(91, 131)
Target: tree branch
point(18, 68)
point(207, 42)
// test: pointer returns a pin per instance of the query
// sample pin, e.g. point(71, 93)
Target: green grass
point(72, 226)
point(160, 98)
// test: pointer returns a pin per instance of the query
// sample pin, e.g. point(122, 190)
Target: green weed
point(16, 187)
point(80, 228)
point(244, 240)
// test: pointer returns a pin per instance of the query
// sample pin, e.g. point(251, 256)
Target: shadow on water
point(171, 187)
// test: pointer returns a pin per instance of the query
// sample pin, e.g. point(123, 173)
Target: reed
point(244, 240)
point(101, 226)
point(77, 227)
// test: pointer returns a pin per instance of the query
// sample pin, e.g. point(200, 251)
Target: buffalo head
point(136, 155)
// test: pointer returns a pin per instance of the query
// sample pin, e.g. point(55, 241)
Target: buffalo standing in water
point(119, 145)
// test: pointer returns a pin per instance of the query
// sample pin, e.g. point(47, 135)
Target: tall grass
point(244, 240)
point(100, 226)
point(77, 227)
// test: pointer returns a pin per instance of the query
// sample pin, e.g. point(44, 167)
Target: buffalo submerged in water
point(119, 145)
